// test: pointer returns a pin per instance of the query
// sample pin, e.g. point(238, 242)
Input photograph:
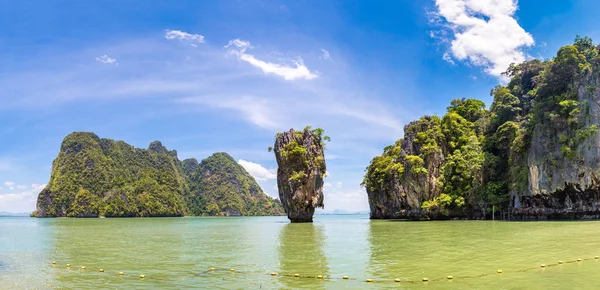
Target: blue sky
point(210, 76)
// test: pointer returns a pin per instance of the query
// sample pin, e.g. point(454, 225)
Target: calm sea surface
point(177, 253)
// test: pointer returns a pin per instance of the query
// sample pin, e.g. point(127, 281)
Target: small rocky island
point(300, 172)
point(534, 154)
point(94, 177)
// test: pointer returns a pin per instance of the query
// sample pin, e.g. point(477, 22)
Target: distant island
point(9, 214)
point(94, 177)
point(534, 154)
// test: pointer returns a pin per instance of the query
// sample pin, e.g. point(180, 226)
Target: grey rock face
point(558, 184)
point(300, 173)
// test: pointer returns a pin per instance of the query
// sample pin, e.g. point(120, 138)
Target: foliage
point(299, 156)
point(221, 186)
point(101, 177)
point(484, 152)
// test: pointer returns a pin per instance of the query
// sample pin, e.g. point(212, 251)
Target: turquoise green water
point(177, 253)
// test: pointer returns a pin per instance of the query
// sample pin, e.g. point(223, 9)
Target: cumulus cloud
point(485, 33)
point(184, 36)
point(9, 183)
point(325, 55)
point(289, 72)
point(21, 201)
point(257, 170)
point(107, 60)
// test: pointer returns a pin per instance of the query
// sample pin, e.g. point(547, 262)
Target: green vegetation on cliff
point(295, 154)
point(472, 158)
point(101, 177)
point(220, 186)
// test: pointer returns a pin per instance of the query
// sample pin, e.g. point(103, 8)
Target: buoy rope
point(211, 271)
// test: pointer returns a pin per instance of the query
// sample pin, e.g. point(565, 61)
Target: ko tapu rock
point(301, 171)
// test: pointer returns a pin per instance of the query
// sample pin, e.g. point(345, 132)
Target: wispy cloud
point(485, 33)
point(446, 57)
point(297, 69)
point(9, 183)
point(256, 110)
point(106, 60)
point(258, 171)
point(184, 36)
point(325, 54)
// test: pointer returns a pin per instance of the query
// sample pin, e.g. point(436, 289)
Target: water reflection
point(301, 250)
point(125, 245)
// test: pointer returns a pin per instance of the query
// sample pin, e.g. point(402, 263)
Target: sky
point(225, 76)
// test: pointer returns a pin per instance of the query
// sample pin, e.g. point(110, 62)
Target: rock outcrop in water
point(300, 173)
point(535, 154)
point(94, 177)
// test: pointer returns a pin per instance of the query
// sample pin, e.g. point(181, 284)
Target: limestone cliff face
point(300, 173)
point(559, 181)
point(401, 194)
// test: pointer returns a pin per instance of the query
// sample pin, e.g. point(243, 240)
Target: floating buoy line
point(233, 271)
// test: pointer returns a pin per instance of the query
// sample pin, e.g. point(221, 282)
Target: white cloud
point(184, 36)
point(448, 58)
point(485, 32)
point(296, 71)
point(325, 55)
point(9, 183)
point(107, 60)
point(23, 201)
point(257, 170)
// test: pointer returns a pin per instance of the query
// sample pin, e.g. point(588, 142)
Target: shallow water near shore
point(177, 253)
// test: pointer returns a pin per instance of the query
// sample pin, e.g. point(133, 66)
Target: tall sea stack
point(300, 172)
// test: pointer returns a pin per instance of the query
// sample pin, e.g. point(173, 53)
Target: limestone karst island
point(282, 144)
point(94, 177)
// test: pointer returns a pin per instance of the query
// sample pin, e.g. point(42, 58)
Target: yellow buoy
point(320, 277)
point(543, 265)
point(296, 275)
point(142, 276)
point(499, 271)
point(396, 280)
point(560, 262)
point(53, 262)
point(345, 277)
point(450, 277)
point(578, 259)
point(101, 270)
point(121, 273)
point(425, 279)
point(369, 280)
point(212, 269)
point(273, 274)
point(82, 267)
point(68, 265)
point(232, 270)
